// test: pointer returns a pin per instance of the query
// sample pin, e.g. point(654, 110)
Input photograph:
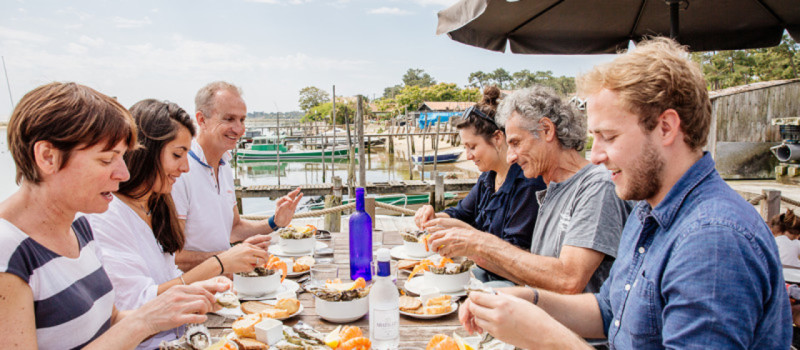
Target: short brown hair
point(206, 96)
point(656, 76)
point(68, 115)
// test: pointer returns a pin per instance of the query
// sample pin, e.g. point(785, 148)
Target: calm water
point(379, 169)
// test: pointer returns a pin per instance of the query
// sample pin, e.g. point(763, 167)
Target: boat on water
point(401, 200)
point(265, 149)
point(445, 157)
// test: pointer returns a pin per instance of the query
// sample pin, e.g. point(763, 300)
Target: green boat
point(400, 200)
point(265, 149)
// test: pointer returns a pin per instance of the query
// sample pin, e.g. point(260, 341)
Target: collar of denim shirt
point(664, 213)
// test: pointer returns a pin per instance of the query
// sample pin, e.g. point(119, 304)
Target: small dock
point(406, 186)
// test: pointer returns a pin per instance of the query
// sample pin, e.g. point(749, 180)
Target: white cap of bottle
point(384, 255)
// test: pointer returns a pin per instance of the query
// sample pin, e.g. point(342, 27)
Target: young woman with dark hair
point(502, 204)
point(140, 232)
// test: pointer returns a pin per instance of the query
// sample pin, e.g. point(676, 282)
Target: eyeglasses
point(474, 110)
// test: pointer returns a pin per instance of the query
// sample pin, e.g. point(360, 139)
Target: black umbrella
point(606, 26)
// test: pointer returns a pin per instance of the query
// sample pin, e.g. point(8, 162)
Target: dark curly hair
point(487, 105)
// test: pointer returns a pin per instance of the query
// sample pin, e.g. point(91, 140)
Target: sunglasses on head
point(474, 110)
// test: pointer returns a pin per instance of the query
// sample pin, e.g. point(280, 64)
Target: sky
point(270, 48)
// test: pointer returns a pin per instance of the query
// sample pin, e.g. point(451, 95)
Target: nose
point(511, 156)
point(184, 166)
point(599, 155)
point(470, 155)
point(120, 172)
point(239, 128)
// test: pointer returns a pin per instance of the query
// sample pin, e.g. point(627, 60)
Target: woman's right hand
point(423, 215)
point(177, 306)
point(243, 257)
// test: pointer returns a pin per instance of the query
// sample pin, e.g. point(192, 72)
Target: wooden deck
point(413, 332)
point(407, 186)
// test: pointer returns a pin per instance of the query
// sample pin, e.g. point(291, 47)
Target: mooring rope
point(335, 209)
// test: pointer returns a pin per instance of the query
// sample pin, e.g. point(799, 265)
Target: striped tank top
point(72, 298)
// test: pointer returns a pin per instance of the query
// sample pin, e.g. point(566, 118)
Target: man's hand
point(439, 224)
point(455, 241)
point(285, 207)
point(424, 214)
point(243, 257)
point(513, 320)
point(261, 241)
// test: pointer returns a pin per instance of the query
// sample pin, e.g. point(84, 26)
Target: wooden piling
point(369, 207)
point(438, 193)
point(236, 184)
point(770, 206)
point(409, 141)
point(333, 221)
point(435, 146)
point(362, 166)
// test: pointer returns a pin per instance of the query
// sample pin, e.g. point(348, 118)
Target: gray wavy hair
point(538, 101)
point(204, 100)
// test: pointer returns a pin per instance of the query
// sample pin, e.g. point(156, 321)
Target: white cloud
point(131, 23)
point(389, 11)
point(20, 35)
point(265, 1)
point(21, 10)
point(93, 42)
point(81, 16)
point(445, 3)
point(76, 49)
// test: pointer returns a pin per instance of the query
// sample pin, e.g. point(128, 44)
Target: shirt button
point(616, 323)
point(641, 250)
point(627, 287)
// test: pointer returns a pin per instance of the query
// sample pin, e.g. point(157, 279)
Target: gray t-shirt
point(583, 211)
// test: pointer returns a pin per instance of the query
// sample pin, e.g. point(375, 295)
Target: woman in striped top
point(67, 141)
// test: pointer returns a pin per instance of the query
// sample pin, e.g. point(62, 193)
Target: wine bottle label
point(387, 324)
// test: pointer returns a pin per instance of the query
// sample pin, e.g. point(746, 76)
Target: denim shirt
point(700, 270)
point(509, 213)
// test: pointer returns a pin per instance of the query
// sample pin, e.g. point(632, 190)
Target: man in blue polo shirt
point(697, 267)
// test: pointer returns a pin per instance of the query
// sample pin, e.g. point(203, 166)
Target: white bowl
point(257, 286)
point(296, 246)
point(416, 249)
point(269, 331)
point(342, 311)
point(447, 283)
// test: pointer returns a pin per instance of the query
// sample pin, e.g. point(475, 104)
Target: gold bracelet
point(182, 281)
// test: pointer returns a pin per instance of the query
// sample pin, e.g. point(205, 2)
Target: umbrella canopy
point(606, 26)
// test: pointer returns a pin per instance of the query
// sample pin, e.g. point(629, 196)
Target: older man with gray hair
point(580, 218)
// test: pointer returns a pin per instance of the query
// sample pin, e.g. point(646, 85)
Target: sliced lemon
point(462, 345)
point(332, 339)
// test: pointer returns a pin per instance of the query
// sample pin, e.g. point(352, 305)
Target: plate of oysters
point(415, 246)
point(446, 275)
point(198, 337)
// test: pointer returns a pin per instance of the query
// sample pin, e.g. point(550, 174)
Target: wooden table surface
point(413, 332)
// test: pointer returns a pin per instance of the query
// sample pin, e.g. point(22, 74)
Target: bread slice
point(250, 344)
point(256, 307)
point(437, 309)
point(275, 313)
point(246, 326)
point(407, 264)
point(291, 305)
point(440, 300)
point(409, 304)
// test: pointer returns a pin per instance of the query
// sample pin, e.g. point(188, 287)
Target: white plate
point(453, 308)
point(496, 344)
point(416, 284)
point(791, 275)
point(336, 319)
point(277, 250)
point(286, 286)
point(297, 274)
point(399, 253)
point(237, 312)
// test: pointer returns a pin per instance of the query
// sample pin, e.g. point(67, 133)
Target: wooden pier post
point(236, 184)
point(391, 139)
point(771, 205)
point(369, 207)
point(333, 221)
point(362, 166)
point(409, 140)
point(438, 193)
point(435, 146)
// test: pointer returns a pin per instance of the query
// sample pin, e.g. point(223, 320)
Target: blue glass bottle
point(360, 240)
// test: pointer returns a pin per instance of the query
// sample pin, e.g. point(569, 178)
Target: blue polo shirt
point(509, 213)
point(700, 270)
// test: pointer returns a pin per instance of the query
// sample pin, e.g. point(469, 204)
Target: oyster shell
point(259, 271)
point(197, 336)
point(453, 268)
point(291, 232)
point(227, 300)
point(478, 286)
point(413, 236)
point(330, 294)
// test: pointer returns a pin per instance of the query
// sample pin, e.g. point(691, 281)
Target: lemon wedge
point(462, 345)
point(332, 339)
point(342, 286)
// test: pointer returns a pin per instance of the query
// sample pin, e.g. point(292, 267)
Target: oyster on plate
point(227, 300)
point(453, 268)
point(413, 236)
point(301, 337)
point(292, 232)
point(196, 337)
point(331, 294)
point(258, 271)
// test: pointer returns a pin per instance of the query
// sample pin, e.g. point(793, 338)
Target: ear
point(548, 129)
point(498, 138)
point(48, 158)
point(669, 127)
point(201, 118)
